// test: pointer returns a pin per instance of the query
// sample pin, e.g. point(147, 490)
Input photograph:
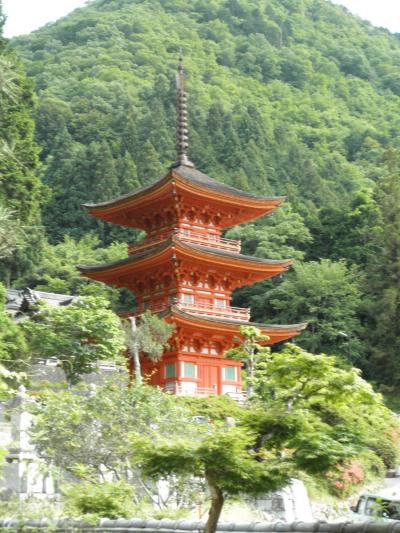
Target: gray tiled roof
point(166, 525)
point(20, 301)
point(163, 245)
point(211, 318)
point(191, 175)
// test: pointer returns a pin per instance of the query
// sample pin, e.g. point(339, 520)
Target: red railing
point(231, 313)
point(211, 241)
point(181, 390)
point(147, 243)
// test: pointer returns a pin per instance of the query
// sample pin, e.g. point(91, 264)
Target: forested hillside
point(293, 97)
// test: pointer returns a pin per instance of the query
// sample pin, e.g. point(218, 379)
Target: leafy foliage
point(14, 352)
point(96, 434)
point(265, 84)
point(57, 271)
point(21, 192)
point(78, 336)
point(327, 296)
point(150, 338)
point(249, 351)
point(328, 412)
point(105, 500)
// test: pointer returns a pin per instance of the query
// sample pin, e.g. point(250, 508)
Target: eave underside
point(126, 209)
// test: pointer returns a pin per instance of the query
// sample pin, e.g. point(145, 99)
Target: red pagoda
point(185, 271)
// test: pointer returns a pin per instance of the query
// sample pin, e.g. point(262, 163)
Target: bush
point(104, 500)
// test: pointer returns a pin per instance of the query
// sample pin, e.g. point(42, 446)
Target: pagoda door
point(211, 378)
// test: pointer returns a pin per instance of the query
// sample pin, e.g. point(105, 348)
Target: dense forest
point(294, 97)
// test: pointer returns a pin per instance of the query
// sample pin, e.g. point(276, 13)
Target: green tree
point(383, 279)
point(14, 353)
point(78, 336)
point(149, 338)
point(58, 272)
point(96, 434)
point(326, 295)
point(249, 351)
point(333, 410)
point(12, 234)
point(20, 189)
point(149, 166)
point(308, 415)
point(224, 457)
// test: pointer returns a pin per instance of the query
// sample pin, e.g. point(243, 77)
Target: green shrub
point(105, 500)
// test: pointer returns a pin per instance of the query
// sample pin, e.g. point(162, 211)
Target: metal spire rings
point(182, 139)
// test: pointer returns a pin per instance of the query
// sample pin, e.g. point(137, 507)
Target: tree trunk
point(250, 375)
point(217, 502)
point(135, 353)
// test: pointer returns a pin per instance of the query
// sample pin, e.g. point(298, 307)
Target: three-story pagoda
point(186, 271)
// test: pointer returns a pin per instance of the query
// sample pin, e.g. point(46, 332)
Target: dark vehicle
point(371, 507)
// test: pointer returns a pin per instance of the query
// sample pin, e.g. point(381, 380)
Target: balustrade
point(230, 313)
point(204, 239)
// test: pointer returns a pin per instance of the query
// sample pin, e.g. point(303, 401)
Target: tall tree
point(383, 278)
point(147, 338)
point(20, 188)
point(326, 295)
point(249, 351)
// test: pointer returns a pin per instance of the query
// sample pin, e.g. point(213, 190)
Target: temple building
point(186, 271)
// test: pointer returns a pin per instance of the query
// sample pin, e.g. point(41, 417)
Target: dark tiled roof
point(197, 177)
point(234, 255)
point(192, 175)
point(276, 327)
point(136, 525)
point(20, 301)
point(158, 248)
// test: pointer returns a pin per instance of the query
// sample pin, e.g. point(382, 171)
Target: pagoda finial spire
point(182, 138)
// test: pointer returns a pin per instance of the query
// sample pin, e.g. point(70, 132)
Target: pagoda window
point(170, 370)
point(189, 370)
point(221, 304)
point(205, 350)
point(230, 373)
point(187, 298)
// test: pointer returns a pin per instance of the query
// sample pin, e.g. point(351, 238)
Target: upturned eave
point(164, 252)
point(187, 180)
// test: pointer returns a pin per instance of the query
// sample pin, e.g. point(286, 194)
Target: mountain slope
point(286, 96)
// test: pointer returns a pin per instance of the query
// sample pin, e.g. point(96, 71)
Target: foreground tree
point(249, 351)
point(14, 353)
point(96, 434)
point(224, 457)
point(336, 413)
point(147, 338)
point(307, 415)
point(78, 336)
